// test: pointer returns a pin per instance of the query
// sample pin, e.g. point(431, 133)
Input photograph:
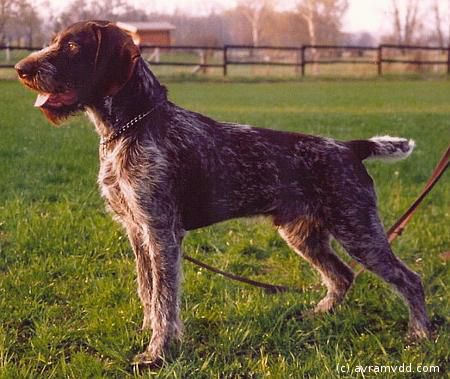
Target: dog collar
point(128, 125)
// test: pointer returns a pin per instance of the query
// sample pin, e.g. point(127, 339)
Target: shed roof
point(136, 26)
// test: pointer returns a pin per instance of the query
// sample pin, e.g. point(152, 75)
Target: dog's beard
point(56, 101)
point(58, 115)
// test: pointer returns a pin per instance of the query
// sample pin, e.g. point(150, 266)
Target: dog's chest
point(119, 184)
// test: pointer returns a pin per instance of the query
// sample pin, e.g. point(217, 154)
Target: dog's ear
point(115, 58)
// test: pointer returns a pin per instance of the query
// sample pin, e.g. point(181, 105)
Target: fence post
point(448, 60)
point(225, 60)
point(303, 60)
point(380, 60)
point(203, 60)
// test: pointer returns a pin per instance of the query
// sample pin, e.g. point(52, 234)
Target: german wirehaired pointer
point(165, 170)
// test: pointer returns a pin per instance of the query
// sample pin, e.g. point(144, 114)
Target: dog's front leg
point(165, 255)
point(143, 270)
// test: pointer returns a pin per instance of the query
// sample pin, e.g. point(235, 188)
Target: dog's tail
point(386, 147)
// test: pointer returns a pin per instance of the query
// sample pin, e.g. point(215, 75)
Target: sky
point(362, 15)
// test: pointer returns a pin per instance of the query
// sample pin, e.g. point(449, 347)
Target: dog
point(165, 170)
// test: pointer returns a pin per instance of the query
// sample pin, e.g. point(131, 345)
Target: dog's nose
point(24, 69)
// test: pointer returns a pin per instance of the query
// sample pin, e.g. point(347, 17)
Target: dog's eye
point(72, 47)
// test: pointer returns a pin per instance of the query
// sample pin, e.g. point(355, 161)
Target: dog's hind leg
point(311, 241)
point(361, 233)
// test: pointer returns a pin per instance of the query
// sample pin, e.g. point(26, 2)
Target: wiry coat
point(178, 170)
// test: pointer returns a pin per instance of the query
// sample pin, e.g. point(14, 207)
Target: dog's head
point(86, 62)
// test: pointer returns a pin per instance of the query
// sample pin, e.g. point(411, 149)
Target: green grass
point(68, 303)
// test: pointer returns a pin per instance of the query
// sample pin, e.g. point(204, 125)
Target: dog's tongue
point(41, 99)
point(56, 100)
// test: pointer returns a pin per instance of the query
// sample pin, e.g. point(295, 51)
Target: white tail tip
point(392, 148)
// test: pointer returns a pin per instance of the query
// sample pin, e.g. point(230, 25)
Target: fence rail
point(306, 55)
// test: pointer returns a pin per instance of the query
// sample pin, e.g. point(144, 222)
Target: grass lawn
point(68, 302)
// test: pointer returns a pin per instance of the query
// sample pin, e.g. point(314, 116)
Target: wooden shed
point(148, 33)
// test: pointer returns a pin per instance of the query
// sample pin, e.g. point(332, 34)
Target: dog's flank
point(178, 170)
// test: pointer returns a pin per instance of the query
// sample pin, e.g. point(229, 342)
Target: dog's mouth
point(57, 106)
point(58, 100)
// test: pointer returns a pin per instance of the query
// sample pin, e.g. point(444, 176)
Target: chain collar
point(105, 141)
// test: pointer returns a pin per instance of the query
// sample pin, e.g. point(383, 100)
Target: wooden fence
point(306, 55)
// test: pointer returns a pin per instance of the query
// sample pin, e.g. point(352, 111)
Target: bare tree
point(307, 10)
point(255, 11)
point(441, 19)
point(406, 22)
point(112, 10)
point(438, 20)
point(6, 13)
point(75, 11)
point(448, 23)
point(323, 19)
point(19, 20)
point(26, 21)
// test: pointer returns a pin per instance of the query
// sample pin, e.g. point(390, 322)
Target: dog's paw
point(327, 304)
point(418, 332)
point(416, 335)
point(147, 360)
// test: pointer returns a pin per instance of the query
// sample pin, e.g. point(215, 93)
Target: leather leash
point(393, 232)
point(269, 288)
point(397, 229)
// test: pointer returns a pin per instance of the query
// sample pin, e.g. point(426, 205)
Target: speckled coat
point(177, 170)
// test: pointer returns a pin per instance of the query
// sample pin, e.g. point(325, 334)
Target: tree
point(18, 19)
point(26, 21)
point(323, 19)
point(406, 22)
point(440, 21)
point(254, 12)
point(75, 11)
point(112, 10)
point(6, 13)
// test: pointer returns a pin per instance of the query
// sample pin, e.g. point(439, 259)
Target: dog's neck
point(140, 94)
